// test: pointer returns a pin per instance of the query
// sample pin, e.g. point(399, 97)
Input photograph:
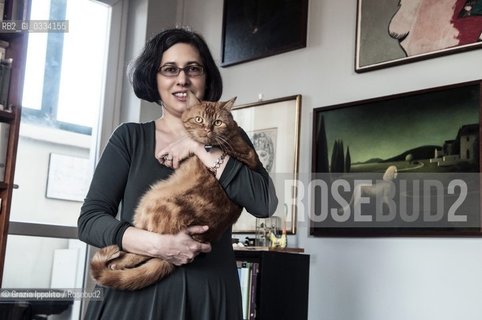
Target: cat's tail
point(134, 278)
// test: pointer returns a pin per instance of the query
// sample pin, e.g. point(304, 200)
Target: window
point(63, 95)
point(64, 74)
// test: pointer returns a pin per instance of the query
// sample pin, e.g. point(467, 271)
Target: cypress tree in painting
point(347, 160)
point(338, 157)
point(334, 156)
point(341, 157)
point(321, 164)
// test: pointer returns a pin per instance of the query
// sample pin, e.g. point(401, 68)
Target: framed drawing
point(254, 29)
point(392, 32)
point(274, 129)
point(68, 177)
point(400, 165)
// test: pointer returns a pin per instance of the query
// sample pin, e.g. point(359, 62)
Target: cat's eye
point(198, 119)
point(217, 123)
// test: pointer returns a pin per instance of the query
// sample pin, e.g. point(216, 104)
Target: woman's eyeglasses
point(192, 70)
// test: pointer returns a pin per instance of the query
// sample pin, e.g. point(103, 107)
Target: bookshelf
point(14, 46)
point(274, 284)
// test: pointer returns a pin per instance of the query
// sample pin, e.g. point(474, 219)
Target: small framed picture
point(276, 140)
point(68, 177)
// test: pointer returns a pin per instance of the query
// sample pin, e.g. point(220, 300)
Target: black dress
point(208, 288)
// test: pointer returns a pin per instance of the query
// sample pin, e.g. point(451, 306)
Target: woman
point(205, 284)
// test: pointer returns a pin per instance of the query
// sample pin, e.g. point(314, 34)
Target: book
point(253, 288)
point(4, 44)
point(18, 10)
point(2, 9)
point(3, 49)
point(244, 269)
point(5, 73)
point(4, 133)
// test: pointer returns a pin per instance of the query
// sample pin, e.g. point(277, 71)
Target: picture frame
point(416, 145)
point(393, 32)
point(255, 29)
point(274, 129)
point(68, 177)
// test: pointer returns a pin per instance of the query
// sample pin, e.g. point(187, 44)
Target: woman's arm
point(178, 249)
point(97, 223)
point(252, 189)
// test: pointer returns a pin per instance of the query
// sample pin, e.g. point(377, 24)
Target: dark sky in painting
point(387, 128)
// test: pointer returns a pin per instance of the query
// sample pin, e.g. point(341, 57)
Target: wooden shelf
point(11, 36)
point(290, 250)
point(6, 116)
point(17, 51)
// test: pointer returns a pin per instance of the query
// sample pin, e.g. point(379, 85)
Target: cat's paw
point(120, 263)
point(252, 160)
point(115, 266)
point(112, 252)
point(113, 256)
point(126, 261)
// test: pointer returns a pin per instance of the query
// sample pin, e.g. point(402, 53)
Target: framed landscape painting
point(406, 164)
point(392, 32)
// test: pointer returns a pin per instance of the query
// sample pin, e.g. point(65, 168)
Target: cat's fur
point(190, 196)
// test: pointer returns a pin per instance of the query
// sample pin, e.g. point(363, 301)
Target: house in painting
point(464, 148)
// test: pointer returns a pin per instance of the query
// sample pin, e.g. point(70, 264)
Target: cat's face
point(210, 122)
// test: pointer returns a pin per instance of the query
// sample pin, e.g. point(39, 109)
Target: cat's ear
point(192, 100)
point(229, 104)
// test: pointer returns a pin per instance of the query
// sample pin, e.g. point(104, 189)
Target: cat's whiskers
point(224, 144)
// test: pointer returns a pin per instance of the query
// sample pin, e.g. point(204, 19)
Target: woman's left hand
point(177, 151)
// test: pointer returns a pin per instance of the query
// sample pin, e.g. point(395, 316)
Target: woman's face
point(173, 90)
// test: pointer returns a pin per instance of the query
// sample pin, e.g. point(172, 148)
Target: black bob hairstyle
point(144, 69)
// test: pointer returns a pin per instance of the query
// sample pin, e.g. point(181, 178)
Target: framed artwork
point(68, 177)
point(274, 129)
point(400, 165)
point(254, 29)
point(392, 32)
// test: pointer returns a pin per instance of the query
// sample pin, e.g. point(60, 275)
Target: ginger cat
point(190, 196)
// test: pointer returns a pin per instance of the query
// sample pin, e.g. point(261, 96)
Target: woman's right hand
point(177, 249)
point(181, 248)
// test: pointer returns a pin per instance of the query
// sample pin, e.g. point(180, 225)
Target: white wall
point(29, 260)
point(30, 203)
point(353, 278)
point(145, 19)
